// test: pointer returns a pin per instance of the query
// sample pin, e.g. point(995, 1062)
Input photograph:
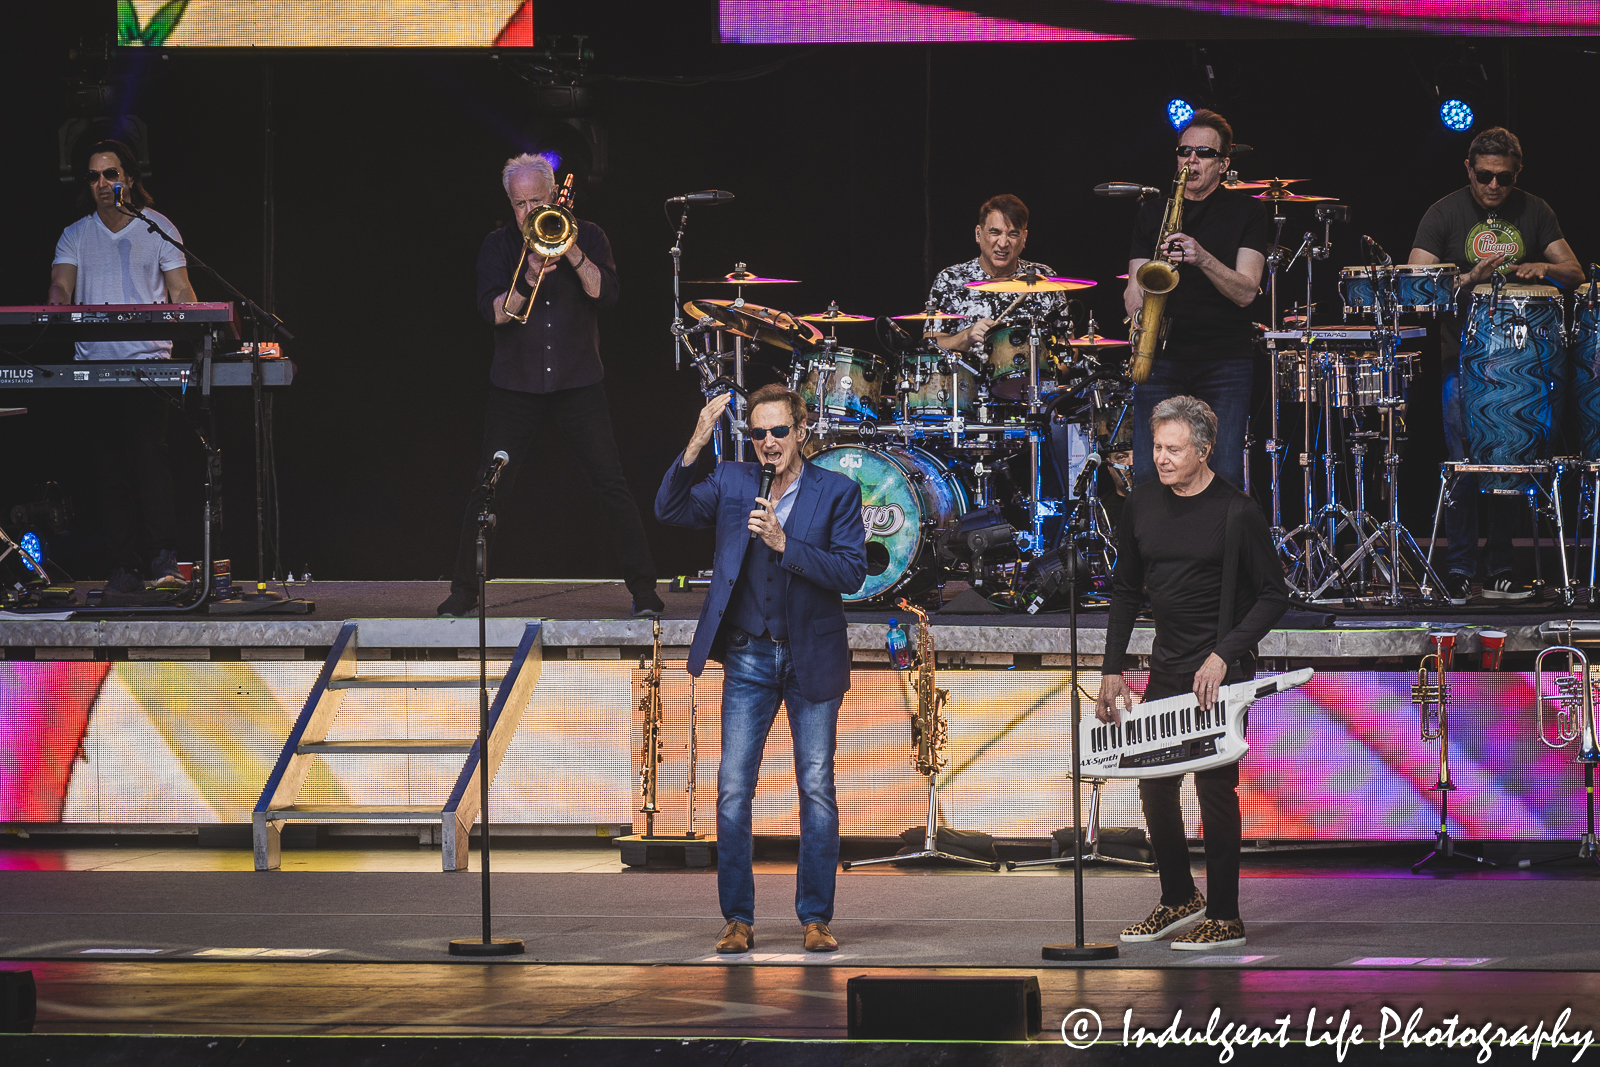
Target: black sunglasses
point(759, 433)
point(1203, 151)
point(1506, 178)
point(110, 174)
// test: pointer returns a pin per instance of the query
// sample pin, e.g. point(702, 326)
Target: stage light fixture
point(1456, 114)
point(1179, 112)
point(33, 545)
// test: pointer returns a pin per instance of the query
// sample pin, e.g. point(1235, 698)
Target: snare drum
point(908, 497)
point(853, 387)
point(1427, 288)
point(1513, 377)
point(932, 388)
point(1585, 344)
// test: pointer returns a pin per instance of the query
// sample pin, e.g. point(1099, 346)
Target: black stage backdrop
point(386, 180)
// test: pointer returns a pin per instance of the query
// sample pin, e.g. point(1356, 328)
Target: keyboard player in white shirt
point(1170, 542)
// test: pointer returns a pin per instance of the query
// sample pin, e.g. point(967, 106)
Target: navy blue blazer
point(825, 555)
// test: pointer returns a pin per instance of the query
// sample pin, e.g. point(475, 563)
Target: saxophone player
point(775, 618)
point(1220, 255)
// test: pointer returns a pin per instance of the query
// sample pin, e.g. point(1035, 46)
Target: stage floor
point(123, 939)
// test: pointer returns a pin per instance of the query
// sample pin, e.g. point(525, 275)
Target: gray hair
point(1195, 414)
point(528, 164)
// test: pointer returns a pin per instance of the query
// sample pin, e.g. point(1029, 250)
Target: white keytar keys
point(1174, 735)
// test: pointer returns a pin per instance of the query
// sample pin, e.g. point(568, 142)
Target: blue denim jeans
point(1461, 515)
point(758, 673)
point(1222, 383)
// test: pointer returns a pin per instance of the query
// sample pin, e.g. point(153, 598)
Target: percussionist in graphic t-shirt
point(1210, 339)
point(1488, 226)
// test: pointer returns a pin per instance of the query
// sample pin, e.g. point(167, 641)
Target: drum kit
point(950, 448)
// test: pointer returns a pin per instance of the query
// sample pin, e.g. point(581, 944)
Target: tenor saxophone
point(928, 732)
point(650, 755)
point(1157, 277)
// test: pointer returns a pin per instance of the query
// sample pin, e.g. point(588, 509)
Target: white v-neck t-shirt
point(120, 268)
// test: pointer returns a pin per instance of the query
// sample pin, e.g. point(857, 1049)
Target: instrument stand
point(687, 849)
point(1091, 842)
point(487, 945)
point(1451, 470)
point(1444, 846)
point(1079, 949)
point(1588, 848)
point(930, 841)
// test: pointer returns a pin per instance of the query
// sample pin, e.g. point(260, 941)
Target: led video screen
point(325, 23)
point(921, 21)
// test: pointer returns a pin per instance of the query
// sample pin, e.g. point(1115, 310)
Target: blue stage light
point(1179, 112)
point(33, 547)
point(1456, 115)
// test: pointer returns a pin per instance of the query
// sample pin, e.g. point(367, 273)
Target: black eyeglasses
point(1202, 150)
point(1506, 178)
point(759, 433)
point(110, 174)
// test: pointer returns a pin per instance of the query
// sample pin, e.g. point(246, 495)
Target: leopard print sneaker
point(1212, 933)
point(1164, 920)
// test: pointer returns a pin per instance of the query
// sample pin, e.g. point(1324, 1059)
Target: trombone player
point(547, 366)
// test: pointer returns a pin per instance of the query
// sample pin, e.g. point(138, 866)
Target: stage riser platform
point(187, 743)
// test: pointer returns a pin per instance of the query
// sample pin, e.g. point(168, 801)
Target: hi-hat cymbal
point(1030, 283)
point(833, 314)
point(764, 324)
point(743, 277)
point(930, 316)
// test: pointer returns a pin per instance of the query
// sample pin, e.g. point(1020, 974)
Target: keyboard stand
point(930, 843)
point(1094, 854)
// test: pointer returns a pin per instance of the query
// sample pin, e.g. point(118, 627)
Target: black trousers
point(512, 424)
point(1219, 819)
point(133, 476)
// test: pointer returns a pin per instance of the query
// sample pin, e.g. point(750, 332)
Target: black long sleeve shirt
point(1171, 546)
point(559, 346)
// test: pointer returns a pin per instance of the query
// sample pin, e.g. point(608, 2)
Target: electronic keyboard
point(141, 373)
point(1174, 735)
point(117, 322)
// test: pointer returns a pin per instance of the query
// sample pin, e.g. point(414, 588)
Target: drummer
point(1002, 234)
point(1489, 225)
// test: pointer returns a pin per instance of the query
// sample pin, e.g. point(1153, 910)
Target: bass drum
point(908, 497)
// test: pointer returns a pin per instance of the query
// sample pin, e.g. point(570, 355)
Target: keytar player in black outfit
point(549, 368)
point(1170, 545)
point(1220, 255)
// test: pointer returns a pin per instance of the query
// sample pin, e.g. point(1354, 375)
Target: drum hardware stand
point(1574, 722)
point(1437, 694)
point(1318, 556)
point(1079, 949)
point(1089, 851)
point(1035, 432)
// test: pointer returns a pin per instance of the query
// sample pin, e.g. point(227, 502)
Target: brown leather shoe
point(737, 937)
point(820, 939)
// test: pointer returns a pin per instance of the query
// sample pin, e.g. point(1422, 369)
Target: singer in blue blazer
point(774, 617)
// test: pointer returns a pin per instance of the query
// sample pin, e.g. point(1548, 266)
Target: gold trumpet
point(547, 232)
point(1574, 699)
point(1157, 277)
point(1436, 695)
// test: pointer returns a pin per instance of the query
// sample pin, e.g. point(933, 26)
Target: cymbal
point(1264, 183)
point(833, 314)
point(743, 277)
point(1096, 341)
point(764, 324)
point(933, 316)
point(1281, 195)
point(1030, 283)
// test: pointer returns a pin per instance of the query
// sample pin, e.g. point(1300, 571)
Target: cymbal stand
point(678, 328)
point(1274, 445)
point(1035, 415)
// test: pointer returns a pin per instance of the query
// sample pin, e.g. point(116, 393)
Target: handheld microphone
point(768, 472)
point(1125, 189)
point(116, 194)
point(705, 196)
point(1375, 250)
point(491, 476)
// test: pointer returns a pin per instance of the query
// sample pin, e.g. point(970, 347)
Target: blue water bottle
point(899, 646)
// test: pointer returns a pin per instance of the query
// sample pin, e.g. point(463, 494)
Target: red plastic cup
point(1494, 644)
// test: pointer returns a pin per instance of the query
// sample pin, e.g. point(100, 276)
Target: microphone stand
point(276, 328)
point(1072, 565)
point(676, 252)
point(488, 945)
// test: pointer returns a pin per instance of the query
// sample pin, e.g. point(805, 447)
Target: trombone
point(548, 232)
point(1574, 699)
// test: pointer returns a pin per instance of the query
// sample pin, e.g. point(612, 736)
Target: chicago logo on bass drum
point(882, 520)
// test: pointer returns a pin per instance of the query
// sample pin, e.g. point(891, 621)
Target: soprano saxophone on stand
point(1157, 277)
point(650, 756)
